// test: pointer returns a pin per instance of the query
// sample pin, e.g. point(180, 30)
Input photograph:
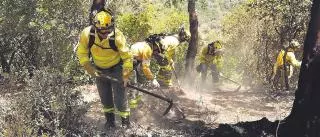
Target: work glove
point(92, 71)
point(155, 83)
point(125, 76)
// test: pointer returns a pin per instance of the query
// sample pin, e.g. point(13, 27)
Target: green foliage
point(36, 34)
point(43, 33)
point(240, 40)
point(151, 19)
point(47, 105)
point(256, 30)
point(180, 59)
point(169, 20)
point(38, 37)
point(136, 26)
point(287, 17)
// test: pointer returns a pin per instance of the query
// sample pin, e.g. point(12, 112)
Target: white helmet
point(295, 44)
point(286, 44)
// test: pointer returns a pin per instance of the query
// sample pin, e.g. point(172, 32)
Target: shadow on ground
point(260, 128)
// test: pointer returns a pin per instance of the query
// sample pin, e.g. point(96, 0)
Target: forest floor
point(208, 112)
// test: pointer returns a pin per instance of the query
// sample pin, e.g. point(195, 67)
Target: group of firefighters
point(102, 50)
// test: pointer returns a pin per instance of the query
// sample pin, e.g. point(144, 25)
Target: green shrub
point(48, 105)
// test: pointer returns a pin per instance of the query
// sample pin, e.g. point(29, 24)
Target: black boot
point(110, 120)
point(125, 122)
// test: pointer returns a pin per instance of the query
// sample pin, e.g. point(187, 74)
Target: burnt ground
point(216, 112)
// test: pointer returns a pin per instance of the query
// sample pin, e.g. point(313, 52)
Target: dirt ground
point(204, 108)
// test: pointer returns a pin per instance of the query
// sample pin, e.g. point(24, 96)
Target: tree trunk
point(304, 119)
point(4, 64)
point(192, 49)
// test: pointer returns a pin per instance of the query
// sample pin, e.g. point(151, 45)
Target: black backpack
point(95, 8)
point(112, 42)
point(211, 49)
point(155, 39)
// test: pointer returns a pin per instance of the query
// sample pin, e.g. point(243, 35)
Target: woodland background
point(37, 39)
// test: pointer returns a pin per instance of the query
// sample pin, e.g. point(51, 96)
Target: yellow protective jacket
point(290, 60)
point(211, 59)
point(141, 51)
point(105, 58)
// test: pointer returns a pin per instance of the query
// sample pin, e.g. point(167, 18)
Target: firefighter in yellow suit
point(142, 53)
point(211, 58)
point(164, 52)
point(291, 62)
point(165, 63)
point(110, 56)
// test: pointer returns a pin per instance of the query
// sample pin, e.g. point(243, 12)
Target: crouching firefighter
point(110, 56)
point(142, 53)
point(164, 48)
point(211, 58)
point(278, 76)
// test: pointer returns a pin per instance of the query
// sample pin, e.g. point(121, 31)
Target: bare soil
point(205, 110)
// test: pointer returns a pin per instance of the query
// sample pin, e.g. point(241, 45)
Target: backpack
point(211, 49)
point(154, 39)
point(95, 8)
point(112, 42)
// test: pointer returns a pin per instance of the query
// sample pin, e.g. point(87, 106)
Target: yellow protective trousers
point(164, 76)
